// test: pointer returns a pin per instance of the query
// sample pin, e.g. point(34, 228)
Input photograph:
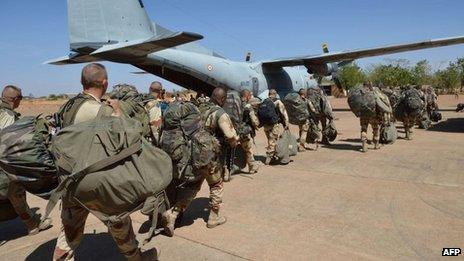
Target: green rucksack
point(24, 155)
point(132, 105)
point(186, 141)
point(109, 168)
point(286, 147)
point(297, 108)
point(362, 102)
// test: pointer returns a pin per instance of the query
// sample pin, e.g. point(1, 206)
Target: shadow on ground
point(13, 229)
point(342, 146)
point(453, 125)
point(198, 209)
point(93, 247)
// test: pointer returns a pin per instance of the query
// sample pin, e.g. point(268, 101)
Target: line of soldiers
point(90, 103)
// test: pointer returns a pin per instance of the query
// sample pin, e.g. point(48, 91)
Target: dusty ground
point(403, 202)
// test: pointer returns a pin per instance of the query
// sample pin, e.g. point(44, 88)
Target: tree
point(422, 73)
point(448, 79)
point(351, 75)
point(390, 75)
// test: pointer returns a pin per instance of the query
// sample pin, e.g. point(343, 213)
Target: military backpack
point(24, 155)
point(234, 107)
point(110, 169)
point(362, 102)
point(297, 108)
point(267, 113)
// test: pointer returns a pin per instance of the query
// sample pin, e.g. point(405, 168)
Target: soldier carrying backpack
point(90, 184)
point(273, 117)
point(12, 192)
point(217, 123)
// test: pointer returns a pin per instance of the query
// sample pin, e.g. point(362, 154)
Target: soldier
point(250, 120)
point(218, 123)
point(202, 99)
point(154, 108)
point(274, 131)
point(11, 98)
point(85, 107)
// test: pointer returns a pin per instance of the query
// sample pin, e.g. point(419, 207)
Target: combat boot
point(253, 167)
point(215, 219)
point(43, 225)
point(364, 146)
point(168, 219)
point(267, 161)
point(149, 255)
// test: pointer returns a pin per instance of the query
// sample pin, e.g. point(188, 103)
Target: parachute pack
point(297, 108)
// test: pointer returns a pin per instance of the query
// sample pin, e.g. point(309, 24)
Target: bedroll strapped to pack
point(24, 155)
point(297, 108)
point(111, 170)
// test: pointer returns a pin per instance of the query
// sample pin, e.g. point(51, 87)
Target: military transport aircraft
point(121, 31)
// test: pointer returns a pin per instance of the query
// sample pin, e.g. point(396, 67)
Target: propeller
point(334, 67)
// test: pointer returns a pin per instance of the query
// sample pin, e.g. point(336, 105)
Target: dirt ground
point(402, 202)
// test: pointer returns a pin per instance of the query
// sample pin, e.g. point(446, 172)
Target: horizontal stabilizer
point(127, 51)
point(73, 59)
point(362, 53)
point(141, 48)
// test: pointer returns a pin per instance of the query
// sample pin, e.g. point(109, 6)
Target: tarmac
point(403, 202)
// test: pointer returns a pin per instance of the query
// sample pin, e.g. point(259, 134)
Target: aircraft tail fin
point(94, 23)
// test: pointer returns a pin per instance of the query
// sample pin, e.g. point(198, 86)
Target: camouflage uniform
point(154, 112)
point(247, 141)
point(73, 215)
point(16, 193)
point(273, 132)
point(218, 124)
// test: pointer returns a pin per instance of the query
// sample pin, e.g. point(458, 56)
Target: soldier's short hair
point(8, 90)
point(244, 93)
point(156, 86)
point(93, 74)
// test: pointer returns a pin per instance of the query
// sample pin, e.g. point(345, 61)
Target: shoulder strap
point(68, 111)
point(75, 177)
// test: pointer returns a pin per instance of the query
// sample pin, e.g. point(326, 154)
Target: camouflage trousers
point(303, 132)
point(408, 124)
point(248, 147)
point(273, 132)
point(375, 124)
point(73, 218)
point(187, 194)
point(17, 196)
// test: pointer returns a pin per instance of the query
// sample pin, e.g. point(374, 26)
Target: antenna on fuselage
point(248, 57)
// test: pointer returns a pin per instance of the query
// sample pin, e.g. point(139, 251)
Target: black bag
point(435, 116)
point(388, 134)
point(331, 132)
point(7, 212)
point(267, 113)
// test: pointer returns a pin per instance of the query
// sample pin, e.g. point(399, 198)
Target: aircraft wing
point(129, 50)
point(362, 53)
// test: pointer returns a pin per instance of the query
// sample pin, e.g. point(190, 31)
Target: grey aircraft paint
point(121, 31)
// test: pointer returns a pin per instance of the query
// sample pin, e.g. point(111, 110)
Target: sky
point(32, 32)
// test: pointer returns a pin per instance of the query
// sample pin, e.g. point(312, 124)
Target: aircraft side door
point(255, 86)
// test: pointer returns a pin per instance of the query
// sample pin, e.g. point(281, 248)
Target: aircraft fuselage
point(201, 72)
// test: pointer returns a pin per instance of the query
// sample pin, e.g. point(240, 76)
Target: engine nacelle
point(324, 69)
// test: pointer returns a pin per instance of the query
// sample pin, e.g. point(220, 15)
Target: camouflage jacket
point(218, 123)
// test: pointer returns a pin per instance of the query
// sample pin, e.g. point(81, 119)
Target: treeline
point(401, 73)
